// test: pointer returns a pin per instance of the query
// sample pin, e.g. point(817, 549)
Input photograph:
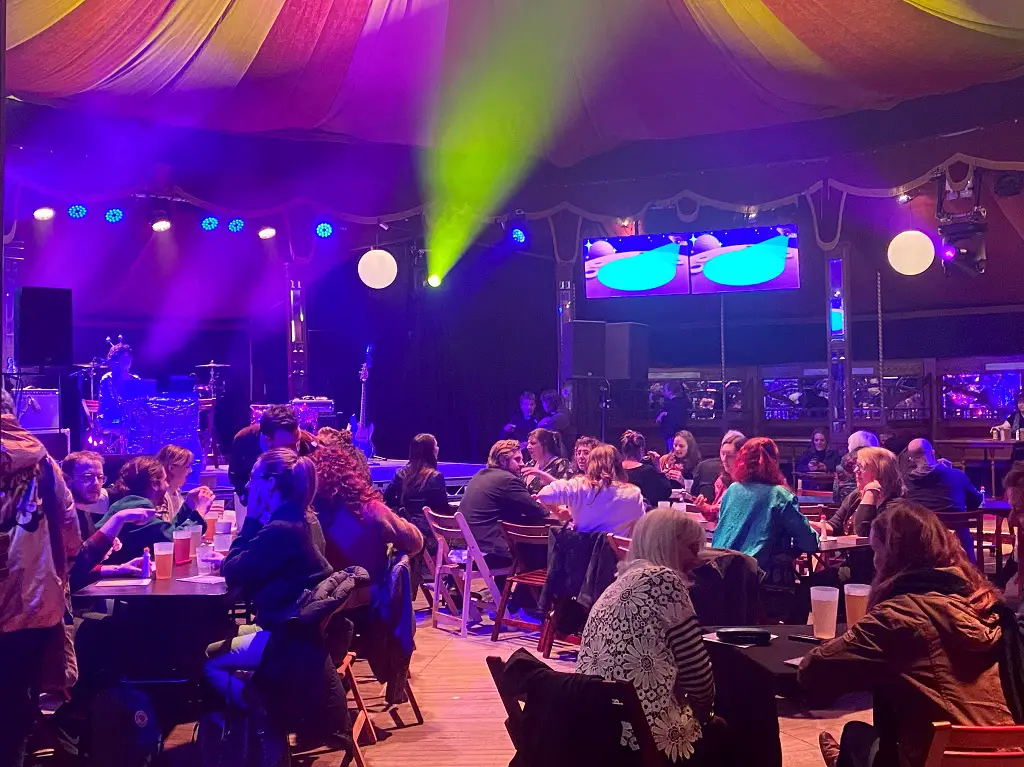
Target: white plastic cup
point(687, 484)
point(856, 601)
point(824, 609)
point(204, 555)
point(222, 526)
point(664, 504)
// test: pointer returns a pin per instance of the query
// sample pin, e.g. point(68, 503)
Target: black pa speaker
point(583, 344)
point(627, 355)
point(42, 327)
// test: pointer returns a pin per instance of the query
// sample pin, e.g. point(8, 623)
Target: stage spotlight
point(434, 280)
point(267, 233)
point(210, 223)
point(114, 215)
point(77, 211)
point(160, 221)
point(377, 269)
point(518, 235)
point(911, 252)
point(965, 240)
point(236, 225)
point(43, 214)
point(323, 229)
point(904, 198)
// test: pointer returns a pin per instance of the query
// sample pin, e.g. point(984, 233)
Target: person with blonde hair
point(271, 562)
point(177, 463)
point(601, 501)
point(643, 629)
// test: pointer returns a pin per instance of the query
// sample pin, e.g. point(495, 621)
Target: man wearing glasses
point(83, 473)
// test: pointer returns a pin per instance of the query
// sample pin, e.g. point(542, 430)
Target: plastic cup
point(182, 544)
point(824, 608)
point(204, 555)
point(664, 504)
point(163, 557)
point(211, 521)
point(687, 484)
point(228, 515)
point(856, 601)
point(195, 539)
point(222, 526)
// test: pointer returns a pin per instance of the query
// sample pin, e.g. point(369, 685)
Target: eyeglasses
point(91, 477)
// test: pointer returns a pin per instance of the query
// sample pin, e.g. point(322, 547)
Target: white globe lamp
point(911, 252)
point(377, 269)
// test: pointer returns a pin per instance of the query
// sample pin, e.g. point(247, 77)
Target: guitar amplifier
point(311, 413)
point(38, 409)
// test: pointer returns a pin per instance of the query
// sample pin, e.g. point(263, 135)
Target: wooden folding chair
point(518, 537)
point(619, 545)
point(956, 746)
point(825, 495)
point(453, 530)
point(619, 693)
point(362, 721)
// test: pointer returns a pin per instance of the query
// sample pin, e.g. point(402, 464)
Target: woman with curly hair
point(357, 524)
point(759, 515)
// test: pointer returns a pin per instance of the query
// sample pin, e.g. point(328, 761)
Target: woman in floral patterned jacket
point(643, 629)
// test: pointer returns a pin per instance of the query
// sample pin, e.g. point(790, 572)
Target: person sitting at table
point(845, 481)
point(1013, 591)
point(554, 417)
point(545, 448)
point(419, 484)
point(271, 562)
point(358, 526)
point(581, 452)
point(83, 474)
point(278, 427)
point(497, 494)
point(928, 647)
point(603, 500)
point(522, 423)
point(143, 485)
point(759, 514)
point(679, 464)
point(643, 468)
point(878, 484)
point(177, 463)
point(818, 457)
point(643, 629)
point(720, 472)
point(941, 488)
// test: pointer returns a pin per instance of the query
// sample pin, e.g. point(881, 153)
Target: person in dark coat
point(271, 562)
point(644, 468)
point(419, 484)
point(819, 457)
point(278, 427)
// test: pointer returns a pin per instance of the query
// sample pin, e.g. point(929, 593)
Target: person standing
point(675, 413)
point(555, 418)
point(39, 536)
point(111, 412)
point(522, 423)
point(278, 427)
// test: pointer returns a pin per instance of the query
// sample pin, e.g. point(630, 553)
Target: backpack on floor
point(122, 728)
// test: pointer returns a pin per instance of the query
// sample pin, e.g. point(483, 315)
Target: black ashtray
point(759, 637)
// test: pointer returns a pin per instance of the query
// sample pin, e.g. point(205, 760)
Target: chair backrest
point(622, 692)
point(816, 493)
point(446, 531)
point(969, 520)
point(619, 545)
point(813, 511)
point(523, 535)
point(965, 746)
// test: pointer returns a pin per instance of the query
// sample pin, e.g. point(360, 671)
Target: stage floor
point(384, 471)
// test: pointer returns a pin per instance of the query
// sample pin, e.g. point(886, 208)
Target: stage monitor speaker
point(627, 346)
point(42, 327)
point(583, 349)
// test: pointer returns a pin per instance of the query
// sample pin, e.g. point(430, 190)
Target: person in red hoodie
point(38, 537)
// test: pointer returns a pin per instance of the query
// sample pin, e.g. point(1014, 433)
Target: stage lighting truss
point(963, 234)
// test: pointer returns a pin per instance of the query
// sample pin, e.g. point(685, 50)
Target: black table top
point(773, 657)
point(168, 587)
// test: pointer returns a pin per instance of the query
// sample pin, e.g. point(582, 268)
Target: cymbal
point(213, 365)
point(87, 365)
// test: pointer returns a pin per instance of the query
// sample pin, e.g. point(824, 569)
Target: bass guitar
point(362, 432)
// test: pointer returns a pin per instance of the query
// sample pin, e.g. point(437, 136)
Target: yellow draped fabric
point(27, 18)
point(993, 17)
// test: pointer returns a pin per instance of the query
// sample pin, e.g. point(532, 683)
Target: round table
point(168, 587)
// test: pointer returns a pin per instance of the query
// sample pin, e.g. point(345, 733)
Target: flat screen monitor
point(693, 263)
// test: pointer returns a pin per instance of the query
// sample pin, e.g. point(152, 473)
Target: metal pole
point(881, 361)
point(721, 341)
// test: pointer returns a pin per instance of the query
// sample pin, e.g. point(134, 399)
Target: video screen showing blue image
point(698, 263)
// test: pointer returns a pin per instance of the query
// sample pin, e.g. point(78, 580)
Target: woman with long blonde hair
point(602, 500)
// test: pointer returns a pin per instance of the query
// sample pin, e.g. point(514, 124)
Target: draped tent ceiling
point(370, 70)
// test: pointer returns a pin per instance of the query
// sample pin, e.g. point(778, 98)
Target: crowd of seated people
point(311, 515)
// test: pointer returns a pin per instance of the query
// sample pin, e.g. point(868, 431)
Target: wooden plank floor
point(464, 717)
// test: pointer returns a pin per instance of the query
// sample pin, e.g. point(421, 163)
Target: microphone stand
point(603, 403)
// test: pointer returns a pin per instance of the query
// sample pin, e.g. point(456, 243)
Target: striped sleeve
point(693, 666)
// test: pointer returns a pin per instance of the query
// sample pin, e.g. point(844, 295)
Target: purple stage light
point(948, 253)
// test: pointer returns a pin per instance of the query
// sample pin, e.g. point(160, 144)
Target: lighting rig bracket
point(963, 234)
